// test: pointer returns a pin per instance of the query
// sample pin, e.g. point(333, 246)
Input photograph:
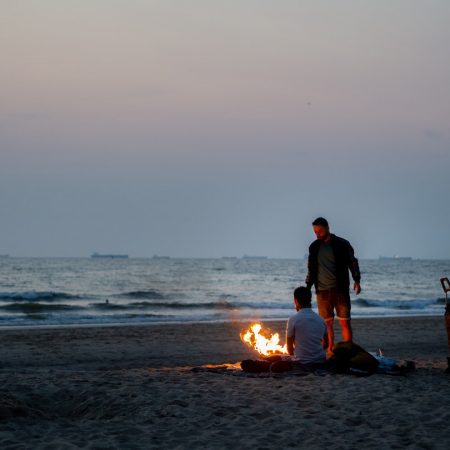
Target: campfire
point(263, 341)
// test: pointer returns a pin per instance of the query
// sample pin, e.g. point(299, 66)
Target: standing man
point(330, 259)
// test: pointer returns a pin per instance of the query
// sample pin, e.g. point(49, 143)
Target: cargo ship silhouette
point(110, 256)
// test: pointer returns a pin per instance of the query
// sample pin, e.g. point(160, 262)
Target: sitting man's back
point(305, 331)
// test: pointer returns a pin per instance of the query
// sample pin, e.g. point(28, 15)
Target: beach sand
point(133, 387)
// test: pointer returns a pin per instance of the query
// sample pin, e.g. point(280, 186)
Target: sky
point(210, 128)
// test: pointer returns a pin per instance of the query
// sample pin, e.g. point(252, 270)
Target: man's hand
point(357, 288)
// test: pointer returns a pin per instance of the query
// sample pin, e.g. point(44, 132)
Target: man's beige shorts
point(330, 300)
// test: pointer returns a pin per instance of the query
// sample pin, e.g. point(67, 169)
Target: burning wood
point(262, 341)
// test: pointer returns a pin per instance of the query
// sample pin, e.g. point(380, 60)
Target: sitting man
point(306, 331)
point(306, 338)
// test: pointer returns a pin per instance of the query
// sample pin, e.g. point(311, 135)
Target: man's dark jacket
point(345, 261)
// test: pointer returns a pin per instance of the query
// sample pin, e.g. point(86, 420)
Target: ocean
point(68, 291)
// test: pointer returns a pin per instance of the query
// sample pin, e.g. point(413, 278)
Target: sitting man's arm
point(290, 336)
point(290, 345)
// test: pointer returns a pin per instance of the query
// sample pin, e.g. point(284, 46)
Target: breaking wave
point(146, 294)
point(180, 305)
point(36, 296)
point(28, 303)
point(28, 307)
point(397, 304)
point(109, 306)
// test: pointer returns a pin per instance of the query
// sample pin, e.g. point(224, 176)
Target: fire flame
point(263, 342)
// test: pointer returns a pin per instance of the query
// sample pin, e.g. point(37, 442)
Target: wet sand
point(133, 387)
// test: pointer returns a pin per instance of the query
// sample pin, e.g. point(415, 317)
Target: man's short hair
point(321, 222)
point(303, 295)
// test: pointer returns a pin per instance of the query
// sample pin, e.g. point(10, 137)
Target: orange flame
point(263, 342)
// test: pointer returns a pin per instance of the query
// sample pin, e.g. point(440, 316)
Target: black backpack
point(349, 357)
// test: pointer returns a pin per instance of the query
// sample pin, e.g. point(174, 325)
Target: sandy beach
point(134, 387)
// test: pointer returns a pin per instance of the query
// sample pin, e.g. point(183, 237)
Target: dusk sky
point(205, 129)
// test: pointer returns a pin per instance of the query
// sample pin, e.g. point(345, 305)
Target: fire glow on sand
point(262, 341)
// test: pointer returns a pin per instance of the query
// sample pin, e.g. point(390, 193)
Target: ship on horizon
point(109, 256)
point(395, 258)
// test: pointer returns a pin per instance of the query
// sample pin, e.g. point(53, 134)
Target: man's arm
point(353, 265)
point(290, 336)
point(309, 276)
point(290, 345)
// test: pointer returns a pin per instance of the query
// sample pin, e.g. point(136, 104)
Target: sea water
point(59, 291)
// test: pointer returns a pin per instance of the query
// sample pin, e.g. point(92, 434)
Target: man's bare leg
point(346, 327)
point(330, 332)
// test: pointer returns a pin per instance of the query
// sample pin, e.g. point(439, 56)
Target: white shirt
point(307, 328)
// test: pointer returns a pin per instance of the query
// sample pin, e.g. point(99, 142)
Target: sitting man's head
point(302, 298)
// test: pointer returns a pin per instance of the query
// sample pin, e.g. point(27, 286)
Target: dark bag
point(349, 357)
